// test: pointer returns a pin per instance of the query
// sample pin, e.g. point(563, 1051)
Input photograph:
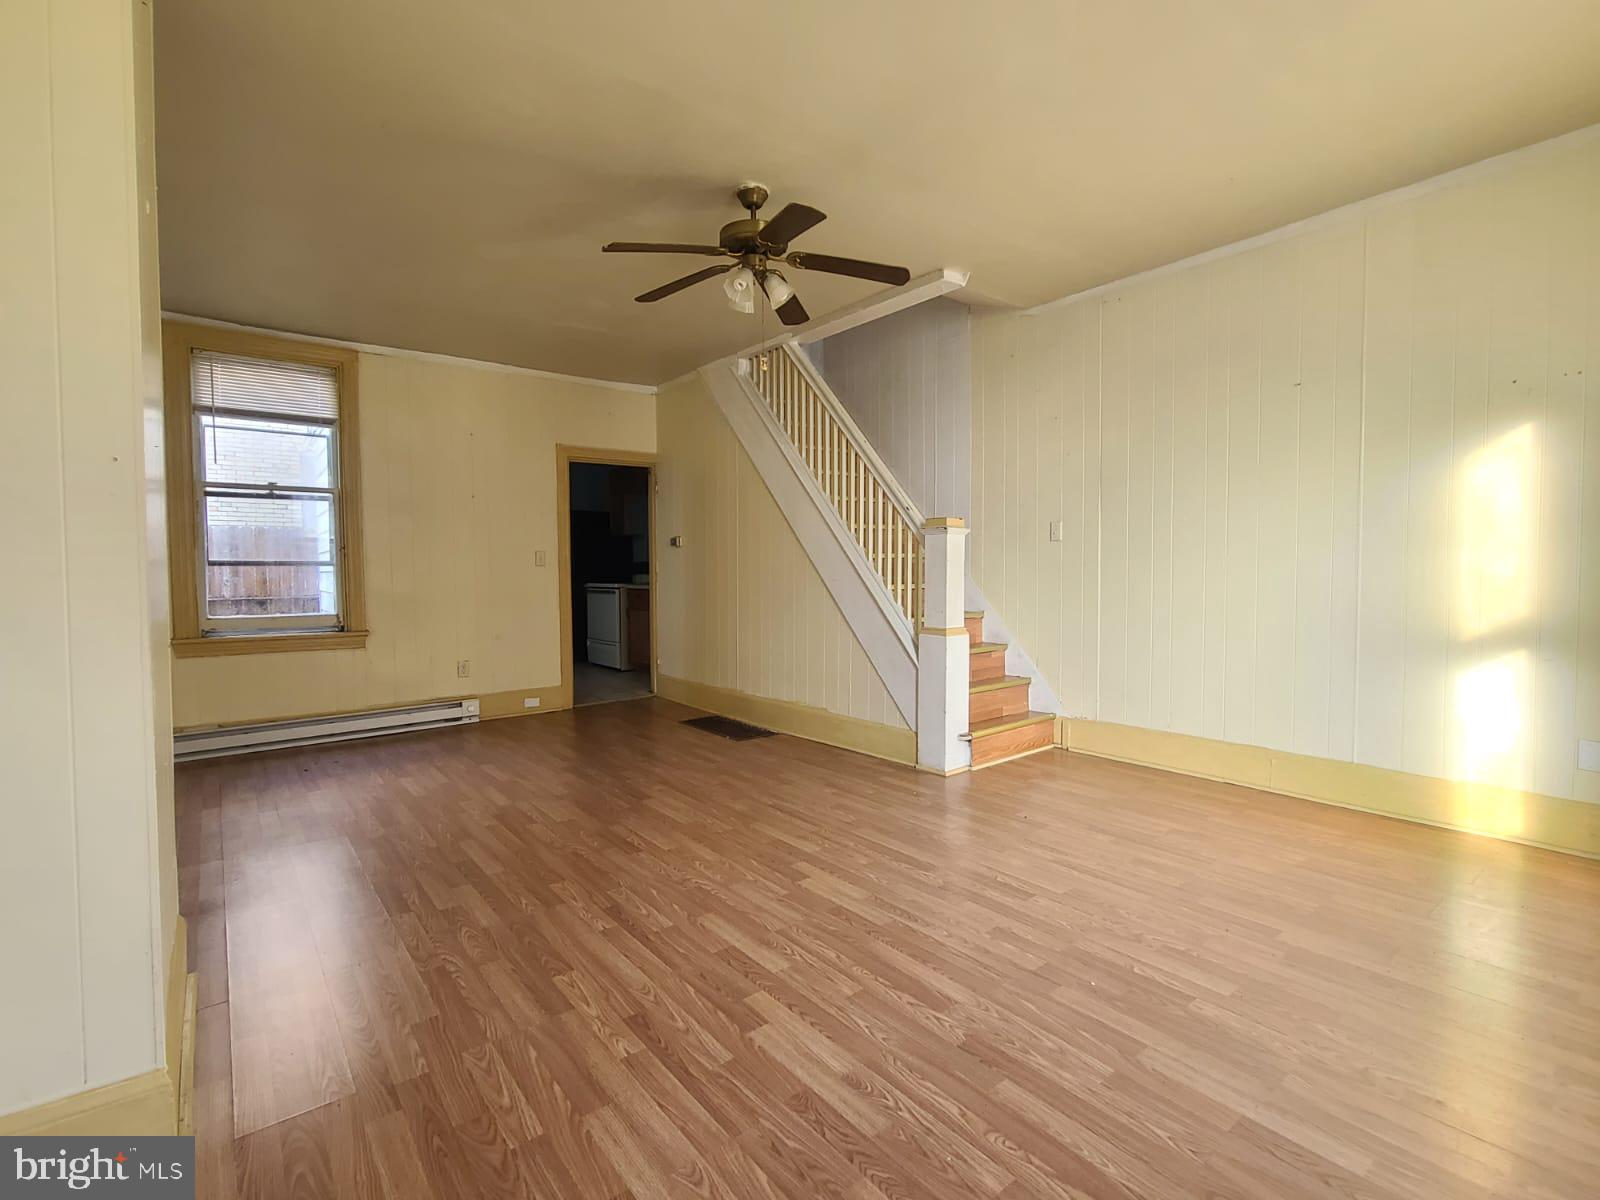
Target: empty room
point(882, 601)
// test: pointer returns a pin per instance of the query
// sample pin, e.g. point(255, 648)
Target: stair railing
point(863, 491)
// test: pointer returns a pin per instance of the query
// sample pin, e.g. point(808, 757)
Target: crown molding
point(450, 360)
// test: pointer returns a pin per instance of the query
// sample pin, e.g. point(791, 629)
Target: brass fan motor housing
point(742, 236)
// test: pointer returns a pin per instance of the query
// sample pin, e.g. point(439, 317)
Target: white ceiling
point(440, 176)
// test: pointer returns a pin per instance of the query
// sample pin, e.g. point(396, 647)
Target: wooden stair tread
point(983, 729)
point(985, 647)
point(994, 685)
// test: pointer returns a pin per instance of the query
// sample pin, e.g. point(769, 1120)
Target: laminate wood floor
point(599, 954)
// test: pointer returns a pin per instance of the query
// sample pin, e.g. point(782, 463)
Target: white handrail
point(882, 519)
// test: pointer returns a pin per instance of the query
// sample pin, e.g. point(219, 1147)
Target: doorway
point(609, 646)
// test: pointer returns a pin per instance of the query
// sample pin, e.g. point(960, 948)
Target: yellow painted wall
point(742, 607)
point(1337, 495)
point(87, 870)
point(458, 494)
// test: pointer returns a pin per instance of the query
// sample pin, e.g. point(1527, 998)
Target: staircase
point(874, 550)
point(1000, 725)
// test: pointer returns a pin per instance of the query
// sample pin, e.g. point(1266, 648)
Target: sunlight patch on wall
point(1490, 717)
point(1496, 544)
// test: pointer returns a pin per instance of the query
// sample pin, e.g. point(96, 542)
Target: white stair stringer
point(883, 630)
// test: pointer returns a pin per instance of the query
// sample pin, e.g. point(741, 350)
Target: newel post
point(942, 651)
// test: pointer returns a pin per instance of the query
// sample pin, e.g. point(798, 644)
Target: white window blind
point(267, 469)
point(263, 385)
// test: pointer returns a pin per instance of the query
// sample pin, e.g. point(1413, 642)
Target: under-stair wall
point(747, 625)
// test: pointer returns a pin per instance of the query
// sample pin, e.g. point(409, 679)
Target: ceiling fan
point(757, 244)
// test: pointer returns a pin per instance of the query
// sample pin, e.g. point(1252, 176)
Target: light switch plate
point(1055, 531)
point(1589, 756)
point(463, 668)
point(538, 558)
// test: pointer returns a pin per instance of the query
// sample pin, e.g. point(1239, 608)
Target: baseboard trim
point(191, 1017)
point(1548, 822)
point(496, 705)
point(142, 1105)
point(177, 986)
point(898, 745)
point(151, 1103)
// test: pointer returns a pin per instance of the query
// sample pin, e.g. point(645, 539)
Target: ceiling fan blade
point(856, 268)
point(792, 312)
point(659, 248)
point(677, 285)
point(790, 223)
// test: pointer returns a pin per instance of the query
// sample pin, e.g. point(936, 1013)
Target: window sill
point(267, 643)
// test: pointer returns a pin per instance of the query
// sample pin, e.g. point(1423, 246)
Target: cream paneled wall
point(907, 380)
point(458, 494)
point(87, 865)
point(1337, 495)
point(741, 606)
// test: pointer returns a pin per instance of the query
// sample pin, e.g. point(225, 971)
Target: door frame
point(565, 457)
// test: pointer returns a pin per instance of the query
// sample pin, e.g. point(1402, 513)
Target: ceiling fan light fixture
point(739, 286)
point(777, 289)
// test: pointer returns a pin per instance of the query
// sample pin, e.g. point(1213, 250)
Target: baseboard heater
point(277, 735)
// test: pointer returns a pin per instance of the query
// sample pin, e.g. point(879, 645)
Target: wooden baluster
point(899, 558)
point(894, 557)
point(810, 427)
point(788, 401)
point(830, 456)
point(844, 468)
point(881, 527)
point(871, 532)
point(827, 455)
point(920, 597)
point(850, 502)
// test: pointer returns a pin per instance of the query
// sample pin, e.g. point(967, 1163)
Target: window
point(263, 512)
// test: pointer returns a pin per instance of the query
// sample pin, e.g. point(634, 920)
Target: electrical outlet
point(463, 668)
point(530, 702)
point(1055, 531)
point(538, 558)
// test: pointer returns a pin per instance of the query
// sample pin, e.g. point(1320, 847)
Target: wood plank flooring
point(599, 954)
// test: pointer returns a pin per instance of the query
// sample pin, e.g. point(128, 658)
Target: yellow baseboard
point(177, 987)
point(1550, 822)
point(495, 705)
point(785, 716)
point(145, 1104)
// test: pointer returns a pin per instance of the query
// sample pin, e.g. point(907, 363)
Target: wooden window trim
point(179, 341)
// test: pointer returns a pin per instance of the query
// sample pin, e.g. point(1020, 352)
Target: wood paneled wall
point(458, 497)
point(88, 872)
point(906, 379)
point(742, 606)
point(1337, 495)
